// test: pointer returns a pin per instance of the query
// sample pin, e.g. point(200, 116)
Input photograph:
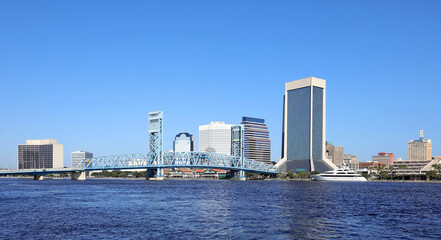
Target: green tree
point(383, 174)
point(437, 168)
point(390, 168)
point(290, 174)
point(430, 174)
point(315, 172)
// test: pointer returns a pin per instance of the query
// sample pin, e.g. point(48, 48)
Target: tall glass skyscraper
point(304, 126)
point(257, 145)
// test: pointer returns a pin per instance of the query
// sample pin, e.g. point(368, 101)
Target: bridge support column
point(242, 175)
point(78, 175)
point(159, 175)
point(38, 177)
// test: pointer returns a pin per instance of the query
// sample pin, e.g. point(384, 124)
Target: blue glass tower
point(304, 126)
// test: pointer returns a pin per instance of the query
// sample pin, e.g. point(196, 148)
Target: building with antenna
point(420, 149)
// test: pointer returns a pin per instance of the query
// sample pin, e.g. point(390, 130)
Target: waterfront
point(130, 209)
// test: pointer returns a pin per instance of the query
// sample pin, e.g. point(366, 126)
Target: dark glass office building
point(304, 126)
point(37, 154)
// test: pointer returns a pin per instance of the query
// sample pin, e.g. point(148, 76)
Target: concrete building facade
point(215, 137)
point(386, 158)
point(257, 144)
point(78, 156)
point(304, 127)
point(420, 149)
point(335, 152)
point(184, 142)
point(37, 154)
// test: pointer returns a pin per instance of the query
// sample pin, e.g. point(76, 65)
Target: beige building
point(386, 158)
point(335, 152)
point(37, 154)
point(420, 149)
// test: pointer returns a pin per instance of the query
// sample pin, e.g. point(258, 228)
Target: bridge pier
point(158, 176)
point(38, 177)
point(242, 175)
point(78, 175)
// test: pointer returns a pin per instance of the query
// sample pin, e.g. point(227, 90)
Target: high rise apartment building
point(215, 137)
point(257, 145)
point(184, 142)
point(36, 154)
point(304, 126)
point(420, 149)
point(386, 158)
point(78, 156)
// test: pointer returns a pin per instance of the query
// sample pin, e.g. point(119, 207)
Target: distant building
point(215, 137)
point(184, 142)
point(350, 161)
point(414, 169)
point(420, 149)
point(257, 145)
point(304, 127)
point(369, 165)
point(78, 156)
point(335, 152)
point(45, 153)
point(386, 158)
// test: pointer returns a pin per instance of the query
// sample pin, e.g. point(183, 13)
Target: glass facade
point(35, 156)
point(317, 124)
point(303, 129)
point(257, 145)
point(298, 124)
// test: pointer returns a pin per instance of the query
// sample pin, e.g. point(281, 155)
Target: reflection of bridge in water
point(156, 160)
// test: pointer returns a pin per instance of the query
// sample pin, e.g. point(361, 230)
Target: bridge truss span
point(177, 160)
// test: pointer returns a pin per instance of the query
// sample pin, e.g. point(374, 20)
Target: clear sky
point(86, 73)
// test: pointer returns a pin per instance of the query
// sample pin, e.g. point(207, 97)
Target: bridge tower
point(155, 141)
point(237, 146)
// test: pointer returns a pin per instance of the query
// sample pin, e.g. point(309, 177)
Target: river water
point(198, 209)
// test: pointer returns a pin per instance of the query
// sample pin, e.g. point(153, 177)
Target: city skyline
point(378, 70)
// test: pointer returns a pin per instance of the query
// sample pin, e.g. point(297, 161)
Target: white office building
point(215, 137)
point(184, 142)
point(78, 156)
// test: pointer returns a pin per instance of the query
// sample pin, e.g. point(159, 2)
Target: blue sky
point(86, 73)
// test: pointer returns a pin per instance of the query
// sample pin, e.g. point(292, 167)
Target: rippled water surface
point(135, 209)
